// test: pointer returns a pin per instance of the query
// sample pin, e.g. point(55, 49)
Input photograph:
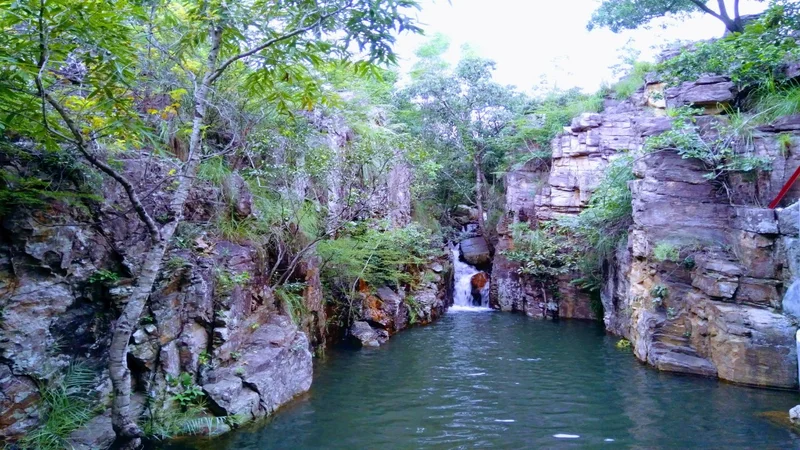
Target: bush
point(599, 228)
point(542, 252)
point(554, 112)
point(291, 297)
point(376, 255)
point(665, 251)
point(66, 407)
point(716, 153)
point(632, 82)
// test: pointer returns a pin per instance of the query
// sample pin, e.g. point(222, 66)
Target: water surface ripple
point(492, 380)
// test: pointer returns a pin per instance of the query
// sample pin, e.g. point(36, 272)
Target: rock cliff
point(722, 303)
point(213, 324)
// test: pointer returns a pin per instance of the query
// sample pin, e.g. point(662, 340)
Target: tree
point(618, 15)
point(69, 73)
point(464, 112)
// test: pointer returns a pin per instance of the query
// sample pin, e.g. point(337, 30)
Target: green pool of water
point(494, 380)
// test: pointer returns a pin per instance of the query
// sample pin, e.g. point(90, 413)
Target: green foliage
point(633, 81)
point(103, 276)
point(67, 405)
point(414, 309)
point(291, 297)
point(752, 58)
point(227, 281)
point(163, 424)
point(664, 251)
point(770, 102)
point(551, 114)
point(214, 170)
point(785, 142)
point(481, 117)
point(176, 262)
point(541, 251)
point(190, 394)
point(598, 230)
point(716, 153)
point(659, 291)
point(376, 255)
point(203, 358)
point(619, 15)
point(624, 344)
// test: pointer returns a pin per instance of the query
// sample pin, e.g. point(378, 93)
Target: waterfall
point(462, 290)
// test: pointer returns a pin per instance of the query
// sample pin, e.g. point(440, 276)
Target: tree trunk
point(479, 191)
point(124, 423)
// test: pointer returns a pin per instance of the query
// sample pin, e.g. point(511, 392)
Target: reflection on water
point(480, 380)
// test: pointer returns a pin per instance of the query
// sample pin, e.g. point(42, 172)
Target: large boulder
point(364, 334)
point(476, 251)
point(273, 366)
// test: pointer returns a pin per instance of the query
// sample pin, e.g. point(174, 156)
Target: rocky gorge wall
point(213, 322)
point(724, 303)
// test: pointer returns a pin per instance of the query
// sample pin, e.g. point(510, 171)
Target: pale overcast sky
point(530, 39)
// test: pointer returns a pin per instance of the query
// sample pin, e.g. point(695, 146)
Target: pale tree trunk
point(479, 178)
point(123, 420)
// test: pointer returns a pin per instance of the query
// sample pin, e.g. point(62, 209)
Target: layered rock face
point(212, 320)
point(211, 315)
point(723, 302)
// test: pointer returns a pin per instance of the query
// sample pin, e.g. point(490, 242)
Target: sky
point(532, 40)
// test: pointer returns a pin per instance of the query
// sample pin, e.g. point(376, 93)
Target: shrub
point(716, 152)
point(632, 82)
point(291, 297)
point(665, 251)
point(190, 393)
point(66, 407)
point(541, 251)
point(226, 280)
point(214, 170)
point(554, 112)
point(103, 276)
point(376, 255)
point(659, 291)
point(603, 224)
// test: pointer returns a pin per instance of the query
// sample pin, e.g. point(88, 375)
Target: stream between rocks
point(478, 379)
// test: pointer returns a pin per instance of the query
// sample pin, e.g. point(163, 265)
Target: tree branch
point(275, 40)
point(702, 5)
point(78, 139)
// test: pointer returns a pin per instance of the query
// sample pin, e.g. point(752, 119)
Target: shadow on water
point(480, 380)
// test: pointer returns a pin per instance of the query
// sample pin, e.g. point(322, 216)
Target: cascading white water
point(462, 291)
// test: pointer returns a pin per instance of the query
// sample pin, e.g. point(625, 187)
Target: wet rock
point(97, 433)
point(272, 367)
point(476, 251)
point(794, 415)
point(364, 334)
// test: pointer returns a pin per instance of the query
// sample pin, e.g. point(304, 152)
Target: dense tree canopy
point(618, 15)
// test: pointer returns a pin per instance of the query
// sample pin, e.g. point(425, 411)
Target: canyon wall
point(725, 301)
point(213, 322)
